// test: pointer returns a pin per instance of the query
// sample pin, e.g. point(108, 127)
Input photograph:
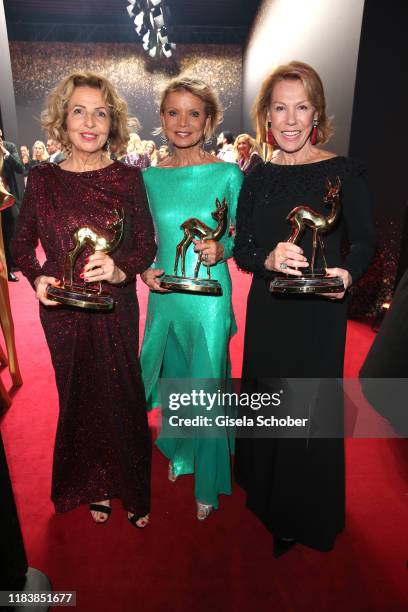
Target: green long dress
point(187, 335)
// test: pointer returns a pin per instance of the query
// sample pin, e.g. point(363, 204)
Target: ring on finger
point(283, 265)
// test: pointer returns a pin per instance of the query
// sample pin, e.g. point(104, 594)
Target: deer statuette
point(303, 216)
point(195, 228)
point(85, 236)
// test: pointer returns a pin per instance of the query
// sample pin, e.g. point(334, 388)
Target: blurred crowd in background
point(243, 150)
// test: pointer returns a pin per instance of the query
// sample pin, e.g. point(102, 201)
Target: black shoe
point(100, 508)
point(13, 278)
point(282, 546)
point(135, 519)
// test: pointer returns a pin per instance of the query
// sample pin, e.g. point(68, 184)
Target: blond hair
point(153, 155)
point(314, 90)
point(53, 118)
point(135, 144)
point(212, 104)
point(253, 145)
point(40, 143)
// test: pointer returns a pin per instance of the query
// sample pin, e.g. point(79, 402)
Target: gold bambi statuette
point(82, 295)
point(194, 228)
point(303, 217)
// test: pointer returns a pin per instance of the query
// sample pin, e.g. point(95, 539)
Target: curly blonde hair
point(54, 116)
point(212, 104)
point(314, 90)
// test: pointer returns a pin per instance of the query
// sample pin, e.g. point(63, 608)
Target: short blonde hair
point(314, 90)
point(253, 145)
point(40, 143)
point(212, 104)
point(54, 116)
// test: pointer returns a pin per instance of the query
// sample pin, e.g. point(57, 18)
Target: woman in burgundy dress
point(102, 447)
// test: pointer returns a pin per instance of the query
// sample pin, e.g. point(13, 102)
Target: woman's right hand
point(40, 284)
point(151, 278)
point(286, 258)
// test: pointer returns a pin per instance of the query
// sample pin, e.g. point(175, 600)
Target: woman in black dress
point(296, 486)
point(102, 446)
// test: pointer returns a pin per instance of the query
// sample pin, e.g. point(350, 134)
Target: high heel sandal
point(100, 508)
point(203, 511)
point(170, 474)
point(134, 520)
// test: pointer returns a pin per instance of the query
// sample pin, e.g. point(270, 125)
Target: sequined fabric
point(134, 159)
point(102, 446)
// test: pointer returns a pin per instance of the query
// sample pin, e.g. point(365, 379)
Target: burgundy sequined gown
point(102, 447)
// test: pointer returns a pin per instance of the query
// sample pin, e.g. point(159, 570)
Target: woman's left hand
point(101, 267)
point(346, 278)
point(211, 251)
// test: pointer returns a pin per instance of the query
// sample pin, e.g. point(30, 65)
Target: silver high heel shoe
point(203, 511)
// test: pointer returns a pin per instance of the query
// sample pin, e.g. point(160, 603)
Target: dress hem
point(61, 508)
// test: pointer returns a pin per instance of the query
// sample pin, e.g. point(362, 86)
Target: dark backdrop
point(379, 135)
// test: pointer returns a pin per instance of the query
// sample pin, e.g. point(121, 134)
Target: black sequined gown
point(296, 486)
point(102, 447)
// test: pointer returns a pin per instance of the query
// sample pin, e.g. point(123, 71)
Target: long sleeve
point(139, 247)
point(235, 184)
point(248, 255)
point(25, 239)
point(254, 161)
point(357, 207)
point(12, 163)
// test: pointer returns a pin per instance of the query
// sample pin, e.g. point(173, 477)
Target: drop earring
point(314, 133)
point(270, 140)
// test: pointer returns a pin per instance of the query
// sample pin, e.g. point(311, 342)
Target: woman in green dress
point(187, 335)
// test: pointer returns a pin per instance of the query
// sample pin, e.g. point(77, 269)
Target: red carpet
point(225, 563)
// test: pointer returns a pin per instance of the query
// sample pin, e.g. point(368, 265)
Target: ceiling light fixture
point(149, 18)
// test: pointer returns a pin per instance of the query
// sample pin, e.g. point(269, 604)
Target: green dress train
point(187, 335)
